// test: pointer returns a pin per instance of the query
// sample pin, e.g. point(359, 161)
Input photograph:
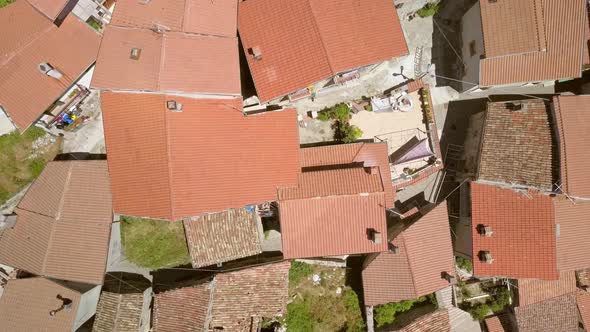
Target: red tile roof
point(70, 48)
point(49, 8)
point(63, 223)
point(573, 245)
point(207, 158)
point(523, 243)
point(583, 300)
point(437, 321)
point(182, 309)
point(552, 55)
point(494, 324)
point(169, 62)
point(205, 17)
point(573, 125)
point(556, 314)
point(535, 290)
point(332, 225)
point(26, 303)
point(303, 42)
point(356, 154)
point(425, 252)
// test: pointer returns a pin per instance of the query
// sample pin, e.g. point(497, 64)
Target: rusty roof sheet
point(63, 223)
point(221, 237)
point(523, 243)
point(70, 48)
point(574, 231)
point(572, 115)
point(332, 225)
point(324, 37)
point(517, 145)
point(556, 314)
point(49, 8)
point(436, 321)
point(351, 155)
point(26, 303)
point(167, 62)
point(536, 290)
point(564, 25)
point(425, 252)
point(118, 312)
point(156, 167)
point(205, 17)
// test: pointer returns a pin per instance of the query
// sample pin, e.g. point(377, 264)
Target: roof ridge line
point(168, 162)
point(317, 29)
point(209, 315)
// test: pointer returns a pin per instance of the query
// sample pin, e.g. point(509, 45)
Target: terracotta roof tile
point(564, 25)
point(26, 303)
point(573, 124)
point(583, 300)
point(437, 321)
point(332, 225)
point(517, 145)
point(155, 165)
point(183, 309)
point(356, 154)
point(197, 16)
point(118, 312)
point(523, 243)
point(167, 62)
point(557, 314)
point(63, 223)
point(425, 253)
point(574, 231)
point(494, 324)
point(315, 48)
point(221, 237)
point(535, 290)
point(49, 8)
point(70, 48)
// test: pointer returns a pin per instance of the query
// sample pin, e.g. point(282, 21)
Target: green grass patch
point(154, 243)
point(429, 9)
point(4, 3)
point(386, 314)
point(299, 271)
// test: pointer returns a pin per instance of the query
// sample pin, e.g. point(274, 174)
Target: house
point(172, 157)
point(40, 62)
point(295, 48)
point(41, 304)
point(63, 224)
point(519, 42)
point(220, 237)
point(124, 304)
point(187, 47)
point(231, 301)
point(419, 260)
point(55, 10)
point(338, 206)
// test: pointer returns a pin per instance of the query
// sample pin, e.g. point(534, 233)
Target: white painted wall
point(6, 125)
point(87, 306)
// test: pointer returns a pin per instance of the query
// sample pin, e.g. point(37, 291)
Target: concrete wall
point(472, 146)
point(471, 31)
point(144, 323)
point(6, 125)
point(87, 306)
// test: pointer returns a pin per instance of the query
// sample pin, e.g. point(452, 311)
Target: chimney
point(372, 170)
point(66, 304)
point(485, 257)
point(484, 230)
point(48, 70)
point(173, 106)
point(393, 249)
point(7, 221)
point(255, 52)
point(374, 236)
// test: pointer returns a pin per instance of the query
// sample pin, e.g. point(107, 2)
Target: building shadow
point(80, 156)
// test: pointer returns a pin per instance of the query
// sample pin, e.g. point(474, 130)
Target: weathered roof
point(207, 158)
point(26, 303)
point(523, 243)
point(435, 321)
point(573, 245)
point(583, 300)
point(517, 145)
point(232, 301)
point(221, 237)
point(171, 62)
point(348, 155)
point(572, 115)
point(63, 223)
point(583, 277)
point(205, 17)
point(49, 8)
point(118, 312)
point(536, 290)
point(494, 324)
point(303, 42)
point(556, 314)
point(532, 40)
point(70, 48)
point(425, 253)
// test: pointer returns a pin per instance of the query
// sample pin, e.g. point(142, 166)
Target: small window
point(472, 49)
point(135, 53)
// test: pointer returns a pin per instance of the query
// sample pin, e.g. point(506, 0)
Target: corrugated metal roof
point(207, 158)
point(70, 48)
point(63, 223)
point(168, 62)
point(564, 22)
point(302, 41)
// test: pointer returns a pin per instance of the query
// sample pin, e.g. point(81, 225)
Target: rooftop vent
point(372, 170)
point(484, 230)
point(135, 53)
point(374, 236)
point(393, 249)
point(515, 107)
point(255, 52)
point(174, 106)
point(485, 257)
point(48, 70)
point(448, 277)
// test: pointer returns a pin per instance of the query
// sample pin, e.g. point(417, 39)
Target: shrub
point(4, 3)
point(36, 166)
point(430, 9)
point(299, 315)
point(479, 311)
point(465, 264)
point(500, 299)
point(385, 314)
point(339, 112)
point(351, 302)
point(33, 133)
point(298, 272)
point(94, 24)
point(346, 132)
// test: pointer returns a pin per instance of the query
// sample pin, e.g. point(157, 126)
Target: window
point(472, 49)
